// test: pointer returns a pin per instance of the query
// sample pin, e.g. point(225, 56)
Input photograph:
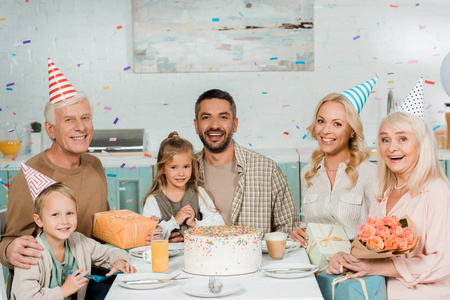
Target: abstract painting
point(178, 36)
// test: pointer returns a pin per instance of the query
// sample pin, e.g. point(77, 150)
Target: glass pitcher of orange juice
point(160, 250)
point(9, 141)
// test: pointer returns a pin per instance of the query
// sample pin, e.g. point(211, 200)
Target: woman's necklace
point(325, 163)
point(399, 187)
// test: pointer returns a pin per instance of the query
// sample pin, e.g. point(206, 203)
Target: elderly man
point(69, 124)
point(249, 189)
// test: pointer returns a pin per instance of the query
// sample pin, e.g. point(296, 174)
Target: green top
point(60, 270)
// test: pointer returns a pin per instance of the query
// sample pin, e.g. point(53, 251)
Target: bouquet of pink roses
point(386, 237)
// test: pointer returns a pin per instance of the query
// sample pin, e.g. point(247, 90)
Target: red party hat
point(60, 87)
point(37, 182)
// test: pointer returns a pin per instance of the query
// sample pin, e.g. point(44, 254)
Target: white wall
point(85, 32)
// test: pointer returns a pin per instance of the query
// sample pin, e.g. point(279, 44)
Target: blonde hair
point(171, 146)
point(356, 145)
point(57, 187)
point(50, 108)
point(427, 168)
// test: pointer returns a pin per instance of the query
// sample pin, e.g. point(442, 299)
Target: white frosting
point(222, 250)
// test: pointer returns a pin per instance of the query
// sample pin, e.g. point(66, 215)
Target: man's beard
point(217, 148)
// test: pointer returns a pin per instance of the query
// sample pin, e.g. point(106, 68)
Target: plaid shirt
point(262, 198)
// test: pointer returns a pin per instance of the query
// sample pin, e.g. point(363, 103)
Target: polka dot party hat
point(36, 181)
point(359, 94)
point(414, 102)
point(60, 87)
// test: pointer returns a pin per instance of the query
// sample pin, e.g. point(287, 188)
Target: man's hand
point(299, 235)
point(20, 252)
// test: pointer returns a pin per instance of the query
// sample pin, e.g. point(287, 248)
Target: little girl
point(65, 250)
point(175, 197)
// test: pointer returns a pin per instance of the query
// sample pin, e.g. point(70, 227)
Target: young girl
point(176, 198)
point(65, 250)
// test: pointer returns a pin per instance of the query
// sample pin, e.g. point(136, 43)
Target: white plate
point(137, 252)
point(141, 276)
point(289, 274)
point(200, 289)
point(288, 244)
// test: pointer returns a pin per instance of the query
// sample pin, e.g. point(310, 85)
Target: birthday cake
point(222, 250)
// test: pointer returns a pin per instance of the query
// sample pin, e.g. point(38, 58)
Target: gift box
point(367, 287)
point(122, 228)
point(324, 241)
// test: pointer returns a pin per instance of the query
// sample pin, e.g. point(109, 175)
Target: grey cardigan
point(34, 283)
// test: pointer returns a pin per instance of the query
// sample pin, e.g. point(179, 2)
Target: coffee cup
point(147, 255)
point(276, 244)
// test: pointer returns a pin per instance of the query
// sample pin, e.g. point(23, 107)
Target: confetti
point(422, 26)
point(273, 58)
point(79, 65)
point(264, 93)
point(287, 105)
point(373, 92)
point(412, 61)
point(391, 81)
point(129, 200)
point(393, 5)
point(111, 175)
point(440, 111)
point(428, 106)
point(30, 143)
point(356, 37)
point(294, 167)
point(2, 19)
point(127, 68)
point(303, 152)
point(329, 67)
point(239, 14)
point(299, 62)
point(304, 137)
point(417, 4)
point(122, 166)
point(9, 89)
point(215, 19)
point(436, 127)
point(10, 84)
point(107, 108)
point(250, 145)
point(106, 87)
point(147, 155)
point(259, 137)
point(119, 27)
point(112, 139)
point(27, 42)
point(286, 133)
point(116, 120)
point(29, 151)
point(391, 73)
point(378, 98)
point(429, 82)
point(6, 166)
point(1, 109)
point(29, 129)
point(132, 168)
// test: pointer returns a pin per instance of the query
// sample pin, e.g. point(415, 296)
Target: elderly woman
point(338, 184)
point(410, 181)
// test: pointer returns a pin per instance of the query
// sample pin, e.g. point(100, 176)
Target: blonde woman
point(410, 181)
point(338, 184)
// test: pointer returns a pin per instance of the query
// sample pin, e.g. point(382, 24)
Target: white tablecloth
point(255, 285)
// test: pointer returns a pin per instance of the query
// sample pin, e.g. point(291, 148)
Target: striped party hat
point(359, 94)
point(37, 182)
point(414, 102)
point(60, 87)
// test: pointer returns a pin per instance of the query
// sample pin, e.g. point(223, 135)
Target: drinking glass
point(160, 250)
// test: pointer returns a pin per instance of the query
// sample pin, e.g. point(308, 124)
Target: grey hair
point(50, 108)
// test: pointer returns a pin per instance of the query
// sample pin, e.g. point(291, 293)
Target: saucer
point(288, 245)
point(137, 252)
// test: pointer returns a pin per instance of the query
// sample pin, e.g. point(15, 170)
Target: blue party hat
point(359, 94)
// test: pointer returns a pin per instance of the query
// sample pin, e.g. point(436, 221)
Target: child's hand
point(190, 221)
point(181, 216)
point(74, 282)
point(154, 218)
point(121, 265)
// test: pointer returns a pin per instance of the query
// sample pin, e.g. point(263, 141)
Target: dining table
point(256, 285)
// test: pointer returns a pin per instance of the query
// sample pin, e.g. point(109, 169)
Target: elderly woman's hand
point(335, 265)
point(363, 267)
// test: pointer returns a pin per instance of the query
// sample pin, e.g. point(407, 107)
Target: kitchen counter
point(113, 161)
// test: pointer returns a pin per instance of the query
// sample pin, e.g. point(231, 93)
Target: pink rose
point(408, 236)
point(375, 242)
point(391, 221)
point(402, 243)
point(384, 232)
point(377, 222)
point(391, 242)
point(397, 230)
point(366, 231)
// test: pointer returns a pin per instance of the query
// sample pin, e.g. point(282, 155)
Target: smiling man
point(68, 123)
point(249, 189)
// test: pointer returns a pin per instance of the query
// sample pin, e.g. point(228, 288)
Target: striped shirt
point(348, 208)
point(262, 198)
